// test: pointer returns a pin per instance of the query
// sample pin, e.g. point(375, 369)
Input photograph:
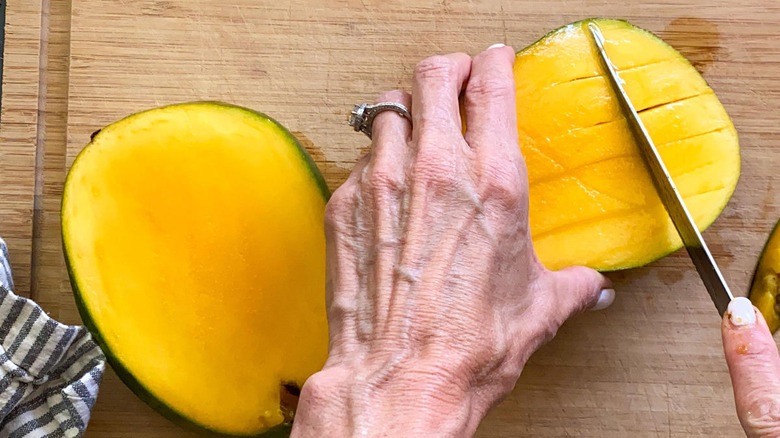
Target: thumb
point(751, 355)
point(579, 288)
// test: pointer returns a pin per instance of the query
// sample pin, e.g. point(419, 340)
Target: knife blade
point(667, 191)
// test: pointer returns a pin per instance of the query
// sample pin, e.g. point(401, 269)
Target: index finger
point(754, 365)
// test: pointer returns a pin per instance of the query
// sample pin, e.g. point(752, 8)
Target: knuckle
point(342, 307)
point(488, 87)
point(762, 418)
point(435, 67)
point(319, 388)
point(315, 387)
point(384, 181)
point(432, 170)
point(340, 205)
point(503, 184)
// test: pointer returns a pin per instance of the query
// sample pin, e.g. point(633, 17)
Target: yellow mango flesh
point(592, 201)
point(194, 235)
point(766, 281)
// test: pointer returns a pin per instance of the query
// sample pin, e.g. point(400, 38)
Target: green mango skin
point(766, 279)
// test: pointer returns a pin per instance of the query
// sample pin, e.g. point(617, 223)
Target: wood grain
point(651, 365)
point(18, 135)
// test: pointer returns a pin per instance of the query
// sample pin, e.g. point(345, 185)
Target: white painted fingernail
point(495, 46)
point(606, 297)
point(741, 312)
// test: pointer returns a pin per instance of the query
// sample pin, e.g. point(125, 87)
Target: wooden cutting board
point(651, 365)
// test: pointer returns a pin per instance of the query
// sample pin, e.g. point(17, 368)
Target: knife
point(667, 191)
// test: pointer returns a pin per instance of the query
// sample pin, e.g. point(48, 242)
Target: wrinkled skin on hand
point(435, 296)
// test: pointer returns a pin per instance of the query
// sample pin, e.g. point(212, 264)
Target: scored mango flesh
point(592, 201)
point(766, 281)
point(194, 236)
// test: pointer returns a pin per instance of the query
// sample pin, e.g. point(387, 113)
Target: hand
point(435, 296)
point(753, 361)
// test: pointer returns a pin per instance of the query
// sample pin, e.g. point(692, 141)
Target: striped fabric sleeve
point(5, 268)
point(49, 372)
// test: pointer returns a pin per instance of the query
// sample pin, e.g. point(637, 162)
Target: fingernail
point(497, 45)
point(741, 312)
point(606, 297)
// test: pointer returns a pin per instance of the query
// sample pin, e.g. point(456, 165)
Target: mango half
point(592, 201)
point(766, 281)
point(194, 238)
